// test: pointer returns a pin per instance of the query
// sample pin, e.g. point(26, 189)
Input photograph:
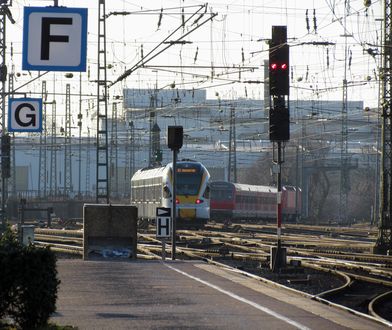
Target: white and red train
point(235, 201)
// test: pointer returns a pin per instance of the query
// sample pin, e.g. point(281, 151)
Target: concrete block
point(109, 231)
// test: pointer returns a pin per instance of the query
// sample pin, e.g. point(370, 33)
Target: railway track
point(334, 270)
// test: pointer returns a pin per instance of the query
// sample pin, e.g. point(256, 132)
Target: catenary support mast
point(102, 182)
point(384, 240)
point(4, 13)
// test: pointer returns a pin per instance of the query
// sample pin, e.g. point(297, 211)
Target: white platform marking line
point(246, 301)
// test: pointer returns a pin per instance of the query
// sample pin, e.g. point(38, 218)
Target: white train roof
point(148, 173)
point(249, 187)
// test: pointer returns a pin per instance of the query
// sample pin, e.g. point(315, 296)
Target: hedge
point(28, 283)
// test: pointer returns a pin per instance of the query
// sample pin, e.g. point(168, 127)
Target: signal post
point(174, 142)
point(279, 124)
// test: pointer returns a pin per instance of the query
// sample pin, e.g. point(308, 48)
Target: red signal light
point(275, 66)
point(177, 201)
point(199, 201)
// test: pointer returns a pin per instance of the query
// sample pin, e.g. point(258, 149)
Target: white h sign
point(54, 39)
point(163, 222)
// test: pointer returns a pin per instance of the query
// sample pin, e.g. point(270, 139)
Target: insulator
point(160, 19)
point(307, 21)
point(197, 52)
point(327, 58)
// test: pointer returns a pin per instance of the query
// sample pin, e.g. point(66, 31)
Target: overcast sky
point(222, 54)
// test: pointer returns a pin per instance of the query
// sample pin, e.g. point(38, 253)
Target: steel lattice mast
point(232, 170)
point(344, 171)
point(102, 182)
point(4, 13)
point(42, 147)
point(384, 240)
point(67, 143)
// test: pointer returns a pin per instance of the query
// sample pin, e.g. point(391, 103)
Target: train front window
point(188, 183)
point(221, 194)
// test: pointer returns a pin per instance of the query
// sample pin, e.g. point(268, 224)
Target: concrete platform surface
point(125, 294)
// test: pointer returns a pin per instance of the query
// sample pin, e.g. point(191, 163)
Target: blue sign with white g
point(25, 115)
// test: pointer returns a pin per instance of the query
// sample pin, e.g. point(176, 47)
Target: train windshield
point(188, 180)
point(218, 194)
point(221, 192)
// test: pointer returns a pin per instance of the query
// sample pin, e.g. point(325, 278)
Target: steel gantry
point(384, 240)
point(102, 170)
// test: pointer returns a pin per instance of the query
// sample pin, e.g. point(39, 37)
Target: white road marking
point(244, 300)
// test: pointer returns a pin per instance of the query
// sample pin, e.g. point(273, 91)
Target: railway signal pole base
point(278, 258)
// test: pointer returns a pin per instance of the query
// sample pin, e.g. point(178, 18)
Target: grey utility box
point(27, 232)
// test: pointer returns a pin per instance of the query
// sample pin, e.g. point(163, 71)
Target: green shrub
point(28, 285)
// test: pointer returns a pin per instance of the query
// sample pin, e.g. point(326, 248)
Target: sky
point(221, 54)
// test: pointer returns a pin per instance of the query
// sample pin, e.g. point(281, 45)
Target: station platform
point(143, 294)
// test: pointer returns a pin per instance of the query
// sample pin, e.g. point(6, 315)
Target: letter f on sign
point(47, 38)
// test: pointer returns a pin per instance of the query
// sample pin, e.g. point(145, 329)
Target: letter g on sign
point(29, 114)
point(25, 115)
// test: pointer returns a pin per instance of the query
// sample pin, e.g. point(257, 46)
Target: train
point(235, 201)
point(153, 187)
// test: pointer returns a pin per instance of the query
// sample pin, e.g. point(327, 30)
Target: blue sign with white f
point(54, 39)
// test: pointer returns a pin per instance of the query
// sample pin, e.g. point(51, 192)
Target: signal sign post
point(163, 220)
point(279, 123)
point(174, 142)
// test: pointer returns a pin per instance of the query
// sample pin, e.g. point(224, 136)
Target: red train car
point(234, 201)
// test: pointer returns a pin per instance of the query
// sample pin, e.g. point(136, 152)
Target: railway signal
point(174, 137)
point(6, 156)
point(279, 62)
point(279, 123)
point(279, 87)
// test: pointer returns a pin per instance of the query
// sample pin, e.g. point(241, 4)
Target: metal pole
point(163, 249)
point(296, 185)
point(80, 138)
point(174, 205)
point(278, 256)
point(279, 197)
point(3, 109)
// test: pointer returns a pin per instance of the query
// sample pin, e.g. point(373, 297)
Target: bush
point(29, 284)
